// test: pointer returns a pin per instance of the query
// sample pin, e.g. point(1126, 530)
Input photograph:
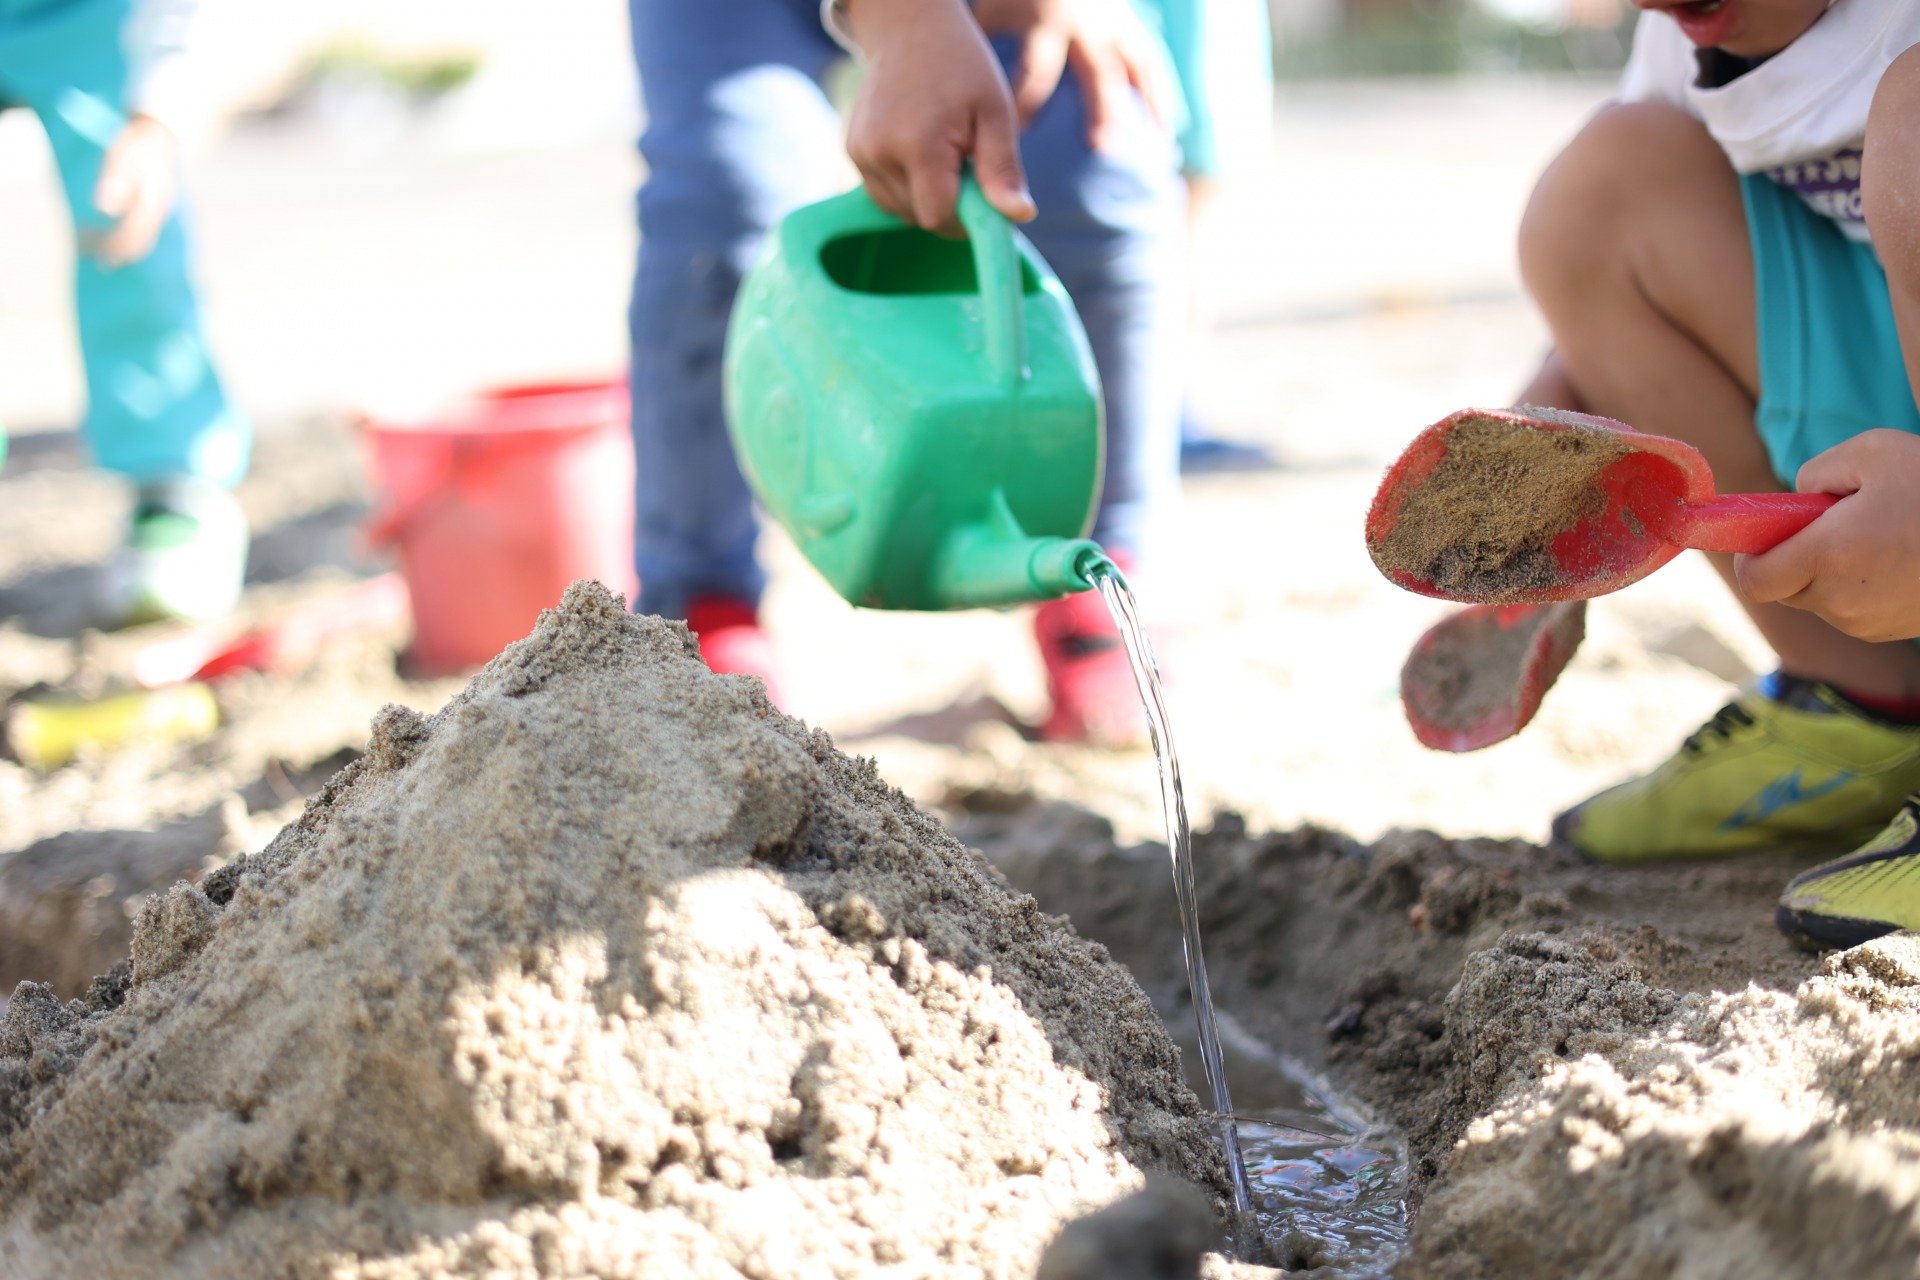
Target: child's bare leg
point(1550, 387)
point(1635, 247)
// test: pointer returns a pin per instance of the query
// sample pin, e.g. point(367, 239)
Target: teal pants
point(155, 406)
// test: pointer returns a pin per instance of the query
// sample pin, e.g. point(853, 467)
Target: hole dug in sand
point(606, 969)
point(1601, 1073)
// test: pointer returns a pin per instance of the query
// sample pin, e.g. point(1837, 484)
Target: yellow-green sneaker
point(1872, 891)
point(1786, 764)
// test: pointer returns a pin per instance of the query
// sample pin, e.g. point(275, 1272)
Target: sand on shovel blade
point(1481, 526)
point(606, 969)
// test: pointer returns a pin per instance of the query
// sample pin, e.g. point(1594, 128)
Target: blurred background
point(397, 199)
point(396, 202)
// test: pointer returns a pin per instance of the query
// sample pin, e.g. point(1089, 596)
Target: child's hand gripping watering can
point(921, 415)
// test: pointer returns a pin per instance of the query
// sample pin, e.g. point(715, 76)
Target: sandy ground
point(1363, 292)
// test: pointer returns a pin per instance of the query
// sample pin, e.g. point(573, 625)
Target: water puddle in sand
point(1329, 1188)
point(1324, 1191)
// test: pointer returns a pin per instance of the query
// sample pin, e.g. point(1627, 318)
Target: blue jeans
point(155, 406)
point(738, 132)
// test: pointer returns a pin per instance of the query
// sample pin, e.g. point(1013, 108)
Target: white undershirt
point(1801, 116)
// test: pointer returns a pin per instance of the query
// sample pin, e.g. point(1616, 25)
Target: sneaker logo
point(1778, 795)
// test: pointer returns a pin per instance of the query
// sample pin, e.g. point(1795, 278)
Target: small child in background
point(1730, 255)
point(1069, 95)
point(109, 82)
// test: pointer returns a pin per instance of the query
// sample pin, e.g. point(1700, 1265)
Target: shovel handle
point(1748, 523)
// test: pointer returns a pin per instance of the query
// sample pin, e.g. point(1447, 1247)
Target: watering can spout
point(996, 562)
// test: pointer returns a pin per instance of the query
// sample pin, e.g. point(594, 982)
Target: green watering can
point(921, 415)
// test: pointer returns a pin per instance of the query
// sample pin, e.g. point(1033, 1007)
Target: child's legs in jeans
point(738, 135)
point(155, 404)
point(1635, 247)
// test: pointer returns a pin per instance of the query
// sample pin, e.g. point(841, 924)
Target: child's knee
point(1611, 177)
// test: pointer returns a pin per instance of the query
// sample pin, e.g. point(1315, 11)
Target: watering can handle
point(996, 261)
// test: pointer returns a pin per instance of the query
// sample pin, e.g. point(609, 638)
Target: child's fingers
point(879, 152)
point(1043, 57)
point(1100, 83)
point(1837, 470)
point(996, 163)
point(1149, 80)
point(885, 174)
point(935, 184)
point(1780, 574)
point(138, 230)
point(889, 190)
point(114, 189)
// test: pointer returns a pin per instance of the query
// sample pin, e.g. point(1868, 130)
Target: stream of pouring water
point(1107, 579)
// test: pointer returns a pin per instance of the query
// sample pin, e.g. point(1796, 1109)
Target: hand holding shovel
point(1525, 514)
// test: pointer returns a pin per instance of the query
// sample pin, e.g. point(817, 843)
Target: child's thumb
point(996, 164)
point(112, 193)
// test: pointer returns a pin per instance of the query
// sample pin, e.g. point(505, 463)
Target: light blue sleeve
point(160, 82)
point(1222, 52)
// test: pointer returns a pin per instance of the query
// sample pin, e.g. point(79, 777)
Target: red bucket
point(497, 505)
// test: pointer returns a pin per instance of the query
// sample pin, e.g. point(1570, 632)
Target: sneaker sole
point(1816, 932)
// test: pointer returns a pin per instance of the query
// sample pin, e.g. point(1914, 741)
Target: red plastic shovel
point(1478, 676)
point(1532, 506)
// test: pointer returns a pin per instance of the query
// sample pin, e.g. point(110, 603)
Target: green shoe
point(1872, 891)
point(1788, 763)
point(185, 556)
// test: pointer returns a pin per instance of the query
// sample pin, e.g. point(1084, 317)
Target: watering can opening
point(900, 261)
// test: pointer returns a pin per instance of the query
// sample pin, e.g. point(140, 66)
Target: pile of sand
point(67, 903)
point(606, 969)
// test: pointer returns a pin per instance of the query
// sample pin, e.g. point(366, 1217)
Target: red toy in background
point(496, 505)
